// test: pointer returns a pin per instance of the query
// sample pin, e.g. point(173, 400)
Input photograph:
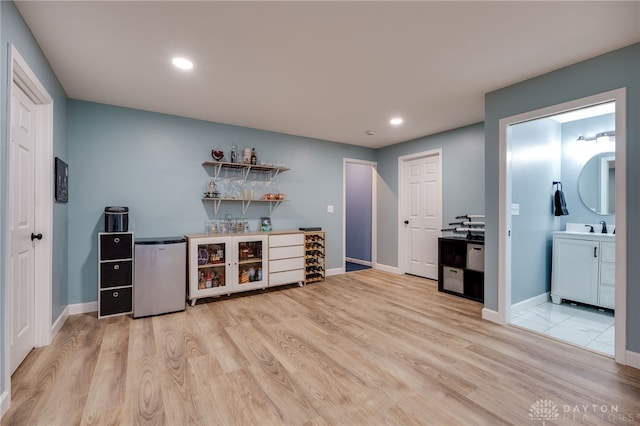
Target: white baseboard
point(633, 359)
point(489, 315)
point(335, 271)
point(83, 308)
point(4, 403)
point(57, 325)
point(386, 268)
point(358, 261)
point(529, 303)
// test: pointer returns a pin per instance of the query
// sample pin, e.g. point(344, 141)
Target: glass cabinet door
point(250, 263)
point(212, 262)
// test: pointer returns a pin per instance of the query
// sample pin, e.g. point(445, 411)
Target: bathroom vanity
point(583, 268)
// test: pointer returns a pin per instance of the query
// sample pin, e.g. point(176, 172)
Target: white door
point(423, 217)
point(21, 227)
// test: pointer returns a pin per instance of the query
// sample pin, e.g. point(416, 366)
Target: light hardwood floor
point(364, 348)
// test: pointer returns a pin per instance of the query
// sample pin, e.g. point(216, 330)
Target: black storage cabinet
point(115, 273)
point(461, 267)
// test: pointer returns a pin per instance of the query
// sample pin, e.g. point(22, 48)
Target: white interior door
point(423, 215)
point(21, 227)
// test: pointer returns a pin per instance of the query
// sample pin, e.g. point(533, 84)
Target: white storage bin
point(453, 279)
point(475, 257)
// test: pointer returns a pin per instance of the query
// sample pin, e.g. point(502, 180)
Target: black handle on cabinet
point(595, 252)
point(36, 236)
point(406, 222)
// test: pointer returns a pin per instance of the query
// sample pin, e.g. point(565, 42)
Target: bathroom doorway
point(565, 147)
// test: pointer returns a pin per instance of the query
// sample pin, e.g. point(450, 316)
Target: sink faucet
point(590, 228)
point(604, 226)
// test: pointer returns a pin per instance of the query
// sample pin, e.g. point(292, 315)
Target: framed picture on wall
point(62, 181)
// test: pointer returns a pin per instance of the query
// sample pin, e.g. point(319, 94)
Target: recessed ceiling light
point(396, 121)
point(182, 63)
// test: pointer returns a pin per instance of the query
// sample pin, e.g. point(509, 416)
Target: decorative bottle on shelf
point(254, 157)
point(201, 281)
point(234, 152)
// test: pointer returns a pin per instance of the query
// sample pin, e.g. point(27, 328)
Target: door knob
point(406, 222)
point(36, 236)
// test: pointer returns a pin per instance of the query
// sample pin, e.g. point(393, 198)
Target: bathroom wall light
point(601, 137)
point(604, 137)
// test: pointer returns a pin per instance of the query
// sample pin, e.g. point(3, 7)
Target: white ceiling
point(325, 70)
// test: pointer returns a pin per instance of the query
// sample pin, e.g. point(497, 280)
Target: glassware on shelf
point(234, 152)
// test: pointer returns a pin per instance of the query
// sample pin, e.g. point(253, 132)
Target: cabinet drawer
point(453, 279)
point(286, 264)
point(475, 257)
point(608, 273)
point(286, 277)
point(607, 296)
point(118, 301)
point(608, 252)
point(116, 246)
point(286, 252)
point(116, 274)
point(286, 240)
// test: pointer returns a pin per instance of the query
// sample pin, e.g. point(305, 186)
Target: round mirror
point(597, 183)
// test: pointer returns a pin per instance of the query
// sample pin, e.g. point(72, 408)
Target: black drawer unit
point(116, 245)
point(115, 273)
point(116, 301)
point(461, 267)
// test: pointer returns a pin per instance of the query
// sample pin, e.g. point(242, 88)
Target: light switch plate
point(329, 209)
point(515, 209)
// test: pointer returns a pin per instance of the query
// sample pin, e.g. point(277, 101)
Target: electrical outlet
point(329, 209)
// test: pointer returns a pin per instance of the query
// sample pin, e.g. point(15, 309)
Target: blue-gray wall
point(358, 204)
point(13, 31)
point(535, 164)
point(152, 163)
point(462, 181)
point(620, 68)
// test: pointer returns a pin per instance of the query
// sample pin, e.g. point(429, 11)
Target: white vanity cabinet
point(583, 269)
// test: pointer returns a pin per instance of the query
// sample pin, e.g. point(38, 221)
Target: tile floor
point(582, 325)
point(350, 267)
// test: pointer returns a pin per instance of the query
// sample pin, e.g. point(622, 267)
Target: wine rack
point(315, 251)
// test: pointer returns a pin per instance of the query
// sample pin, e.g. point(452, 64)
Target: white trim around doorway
point(374, 209)
point(504, 211)
point(26, 79)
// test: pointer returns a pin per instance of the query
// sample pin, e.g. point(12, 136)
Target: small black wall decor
point(62, 181)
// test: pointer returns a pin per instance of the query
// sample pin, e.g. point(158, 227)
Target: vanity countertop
point(586, 235)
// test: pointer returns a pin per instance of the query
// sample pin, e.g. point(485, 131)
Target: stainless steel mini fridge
point(160, 276)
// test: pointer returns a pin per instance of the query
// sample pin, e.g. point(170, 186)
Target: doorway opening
point(542, 284)
point(359, 214)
